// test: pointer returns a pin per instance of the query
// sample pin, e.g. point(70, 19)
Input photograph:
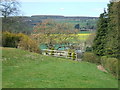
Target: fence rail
point(59, 53)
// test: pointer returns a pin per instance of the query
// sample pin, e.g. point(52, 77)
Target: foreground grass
point(31, 70)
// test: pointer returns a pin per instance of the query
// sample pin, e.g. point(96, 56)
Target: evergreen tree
point(106, 42)
point(100, 39)
point(112, 44)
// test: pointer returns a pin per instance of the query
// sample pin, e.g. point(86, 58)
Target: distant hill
point(84, 22)
point(62, 17)
point(38, 18)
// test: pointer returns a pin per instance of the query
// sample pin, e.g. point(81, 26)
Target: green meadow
point(23, 69)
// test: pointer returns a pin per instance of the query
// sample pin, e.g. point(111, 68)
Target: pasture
point(23, 69)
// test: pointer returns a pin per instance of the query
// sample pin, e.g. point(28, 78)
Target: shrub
point(28, 43)
point(89, 49)
point(10, 39)
point(91, 57)
point(73, 56)
point(119, 70)
point(104, 61)
point(46, 52)
point(111, 64)
point(19, 40)
point(69, 54)
point(52, 52)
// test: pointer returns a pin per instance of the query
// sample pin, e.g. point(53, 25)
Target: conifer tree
point(106, 42)
point(112, 44)
point(100, 39)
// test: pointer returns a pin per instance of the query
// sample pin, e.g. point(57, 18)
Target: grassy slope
point(25, 69)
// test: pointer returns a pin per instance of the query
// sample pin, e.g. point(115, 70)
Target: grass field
point(22, 69)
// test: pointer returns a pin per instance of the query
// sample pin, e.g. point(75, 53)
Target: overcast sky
point(63, 7)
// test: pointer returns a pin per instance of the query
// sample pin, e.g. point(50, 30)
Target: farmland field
point(82, 37)
point(22, 69)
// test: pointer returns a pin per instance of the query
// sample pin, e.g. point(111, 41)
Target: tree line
point(10, 9)
point(106, 42)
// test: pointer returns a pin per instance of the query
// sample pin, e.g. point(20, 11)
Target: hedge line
point(110, 64)
point(19, 40)
point(91, 57)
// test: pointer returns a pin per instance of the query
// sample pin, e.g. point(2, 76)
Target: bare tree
point(50, 33)
point(9, 7)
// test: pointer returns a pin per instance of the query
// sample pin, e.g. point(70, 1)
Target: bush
point(10, 39)
point(52, 52)
point(73, 56)
point(119, 70)
point(89, 49)
point(46, 52)
point(69, 54)
point(103, 61)
point(111, 64)
point(29, 44)
point(91, 57)
point(19, 41)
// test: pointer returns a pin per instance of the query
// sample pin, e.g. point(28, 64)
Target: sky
point(63, 7)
